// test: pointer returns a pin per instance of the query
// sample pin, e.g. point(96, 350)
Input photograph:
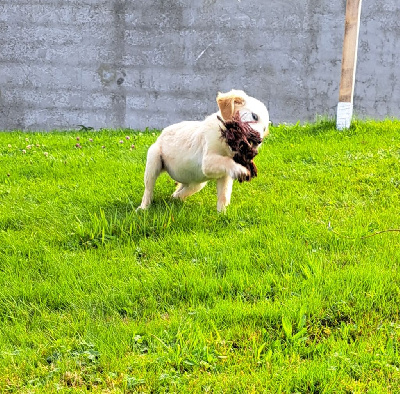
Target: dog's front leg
point(224, 191)
point(216, 166)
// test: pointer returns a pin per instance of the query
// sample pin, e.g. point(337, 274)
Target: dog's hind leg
point(179, 187)
point(224, 191)
point(154, 166)
point(184, 190)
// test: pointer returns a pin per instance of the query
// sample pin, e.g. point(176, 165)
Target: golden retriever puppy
point(194, 152)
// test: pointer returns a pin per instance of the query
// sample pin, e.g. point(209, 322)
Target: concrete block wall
point(138, 64)
point(377, 89)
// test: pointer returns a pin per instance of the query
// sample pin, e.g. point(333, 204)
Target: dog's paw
point(176, 194)
point(244, 178)
point(221, 208)
point(240, 173)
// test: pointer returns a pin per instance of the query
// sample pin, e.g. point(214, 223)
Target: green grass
point(266, 298)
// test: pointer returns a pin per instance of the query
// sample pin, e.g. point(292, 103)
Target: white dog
point(193, 152)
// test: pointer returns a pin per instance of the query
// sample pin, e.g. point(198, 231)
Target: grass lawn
point(286, 292)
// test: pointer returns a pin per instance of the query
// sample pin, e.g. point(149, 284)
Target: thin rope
point(397, 230)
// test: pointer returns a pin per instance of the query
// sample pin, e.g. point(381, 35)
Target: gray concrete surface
point(130, 63)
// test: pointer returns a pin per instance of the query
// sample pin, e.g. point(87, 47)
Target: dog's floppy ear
point(228, 103)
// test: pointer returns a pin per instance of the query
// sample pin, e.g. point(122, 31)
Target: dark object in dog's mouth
point(243, 140)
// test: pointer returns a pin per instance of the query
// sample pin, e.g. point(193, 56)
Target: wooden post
point(349, 61)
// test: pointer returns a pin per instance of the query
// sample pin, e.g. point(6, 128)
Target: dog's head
point(249, 108)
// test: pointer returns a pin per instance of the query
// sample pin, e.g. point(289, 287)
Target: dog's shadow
point(120, 222)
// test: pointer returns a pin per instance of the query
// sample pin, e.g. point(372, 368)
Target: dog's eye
point(255, 116)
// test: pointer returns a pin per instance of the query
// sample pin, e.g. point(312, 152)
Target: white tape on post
point(344, 115)
point(349, 62)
